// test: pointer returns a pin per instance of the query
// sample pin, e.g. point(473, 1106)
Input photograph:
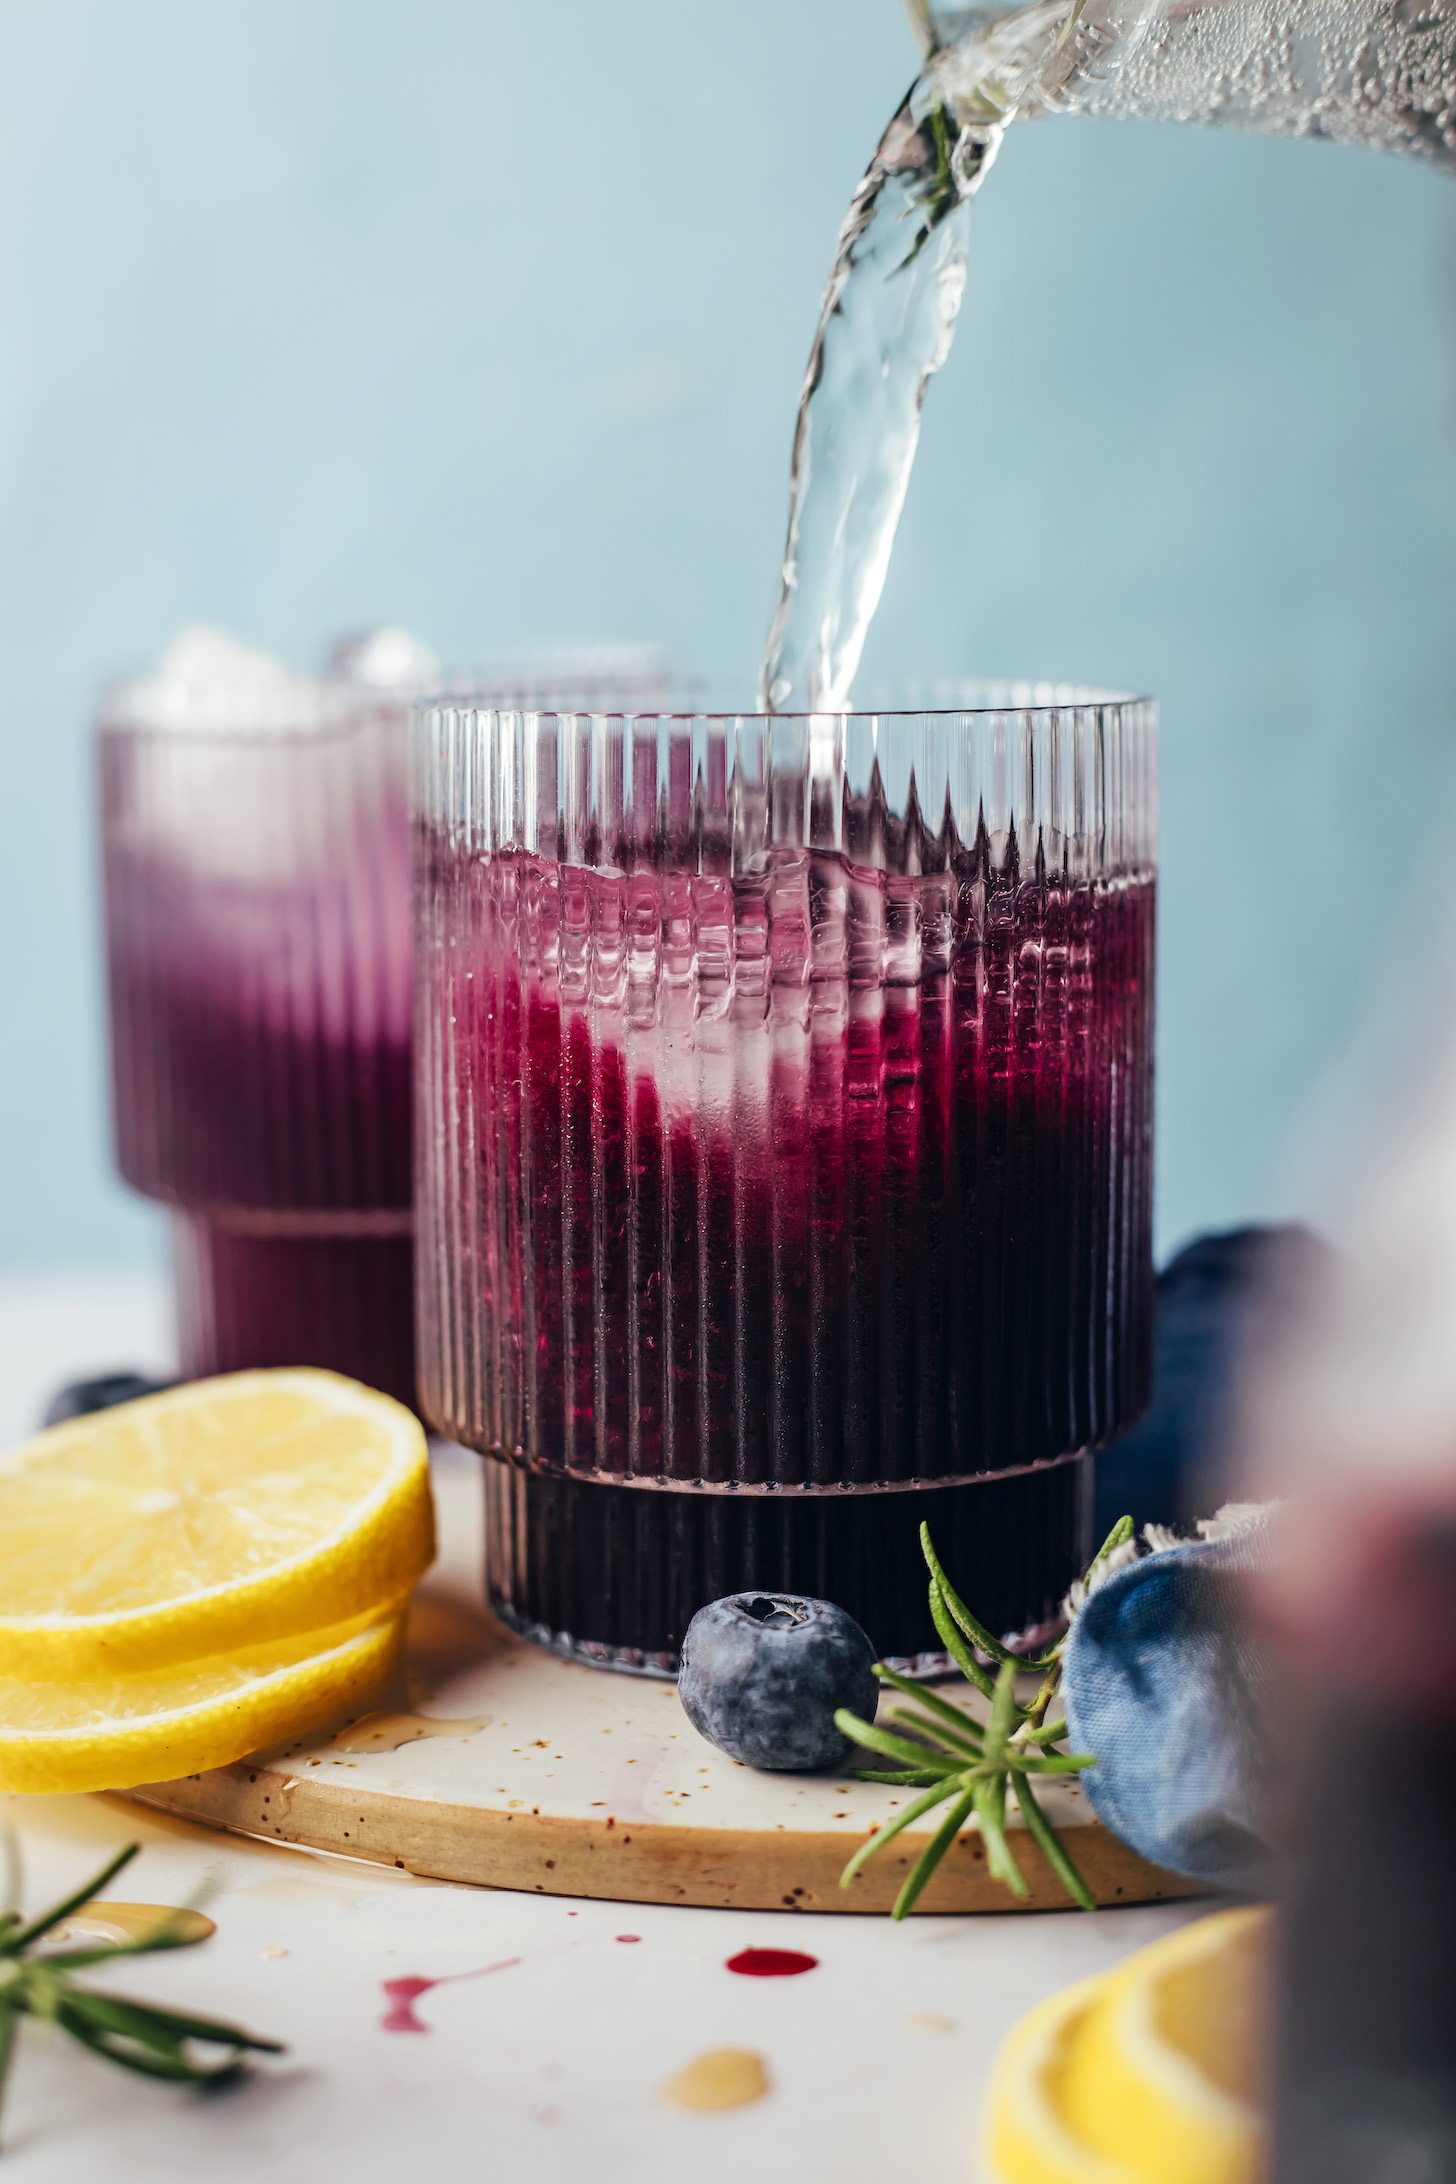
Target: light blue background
point(490, 319)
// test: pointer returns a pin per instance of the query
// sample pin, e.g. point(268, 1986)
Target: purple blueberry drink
point(255, 836)
point(785, 1150)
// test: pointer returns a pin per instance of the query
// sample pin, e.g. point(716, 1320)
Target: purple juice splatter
point(402, 1994)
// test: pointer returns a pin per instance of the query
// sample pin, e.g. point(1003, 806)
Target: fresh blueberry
point(81, 1397)
point(762, 1674)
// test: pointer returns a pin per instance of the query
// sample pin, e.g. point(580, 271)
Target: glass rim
point(1078, 774)
point(993, 698)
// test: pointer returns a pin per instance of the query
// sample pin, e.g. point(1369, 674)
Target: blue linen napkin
point(1164, 1681)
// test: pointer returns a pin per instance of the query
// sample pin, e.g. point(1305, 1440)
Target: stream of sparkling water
point(1373, 72)
point(885, 325)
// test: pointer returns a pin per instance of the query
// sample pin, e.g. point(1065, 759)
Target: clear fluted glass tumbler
point(257, 880)
point(784, 1148)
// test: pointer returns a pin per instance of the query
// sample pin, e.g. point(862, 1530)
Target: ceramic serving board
point(502, 1765)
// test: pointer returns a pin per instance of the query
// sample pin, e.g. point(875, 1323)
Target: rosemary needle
point(952, 1755)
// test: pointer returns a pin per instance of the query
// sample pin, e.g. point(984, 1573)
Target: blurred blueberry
point(762, 1674)
point(1218, 1302)
point(81, 1397)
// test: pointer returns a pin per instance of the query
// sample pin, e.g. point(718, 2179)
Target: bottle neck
point(1369, 72)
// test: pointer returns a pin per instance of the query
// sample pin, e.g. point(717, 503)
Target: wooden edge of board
point(719, 1868)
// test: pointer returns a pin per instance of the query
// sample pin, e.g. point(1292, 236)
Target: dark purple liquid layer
point(820, 1177)
point(344, 1302)
point(615, 1575)
point(221, 1104)
point(232, 1118)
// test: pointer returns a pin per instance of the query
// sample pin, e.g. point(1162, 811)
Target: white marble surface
point(545, 2068)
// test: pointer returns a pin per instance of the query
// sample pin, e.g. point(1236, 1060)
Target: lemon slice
point(1150, 2074)
point(217, 1516)
point(1028, 2140)
point(111, 1733)
point(1166, 2069)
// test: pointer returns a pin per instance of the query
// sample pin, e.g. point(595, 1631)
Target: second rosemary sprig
point(140, 2036)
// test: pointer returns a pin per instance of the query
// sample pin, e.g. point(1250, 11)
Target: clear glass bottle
point(1374, 72)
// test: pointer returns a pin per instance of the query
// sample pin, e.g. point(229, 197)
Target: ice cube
point(207, 679)
point(227, 762)
point(385, 659)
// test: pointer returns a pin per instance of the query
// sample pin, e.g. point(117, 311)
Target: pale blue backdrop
point(490, 319)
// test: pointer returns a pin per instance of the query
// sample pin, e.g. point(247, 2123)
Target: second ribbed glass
point(256, 856)
point(258, 952)
point(785, 1117)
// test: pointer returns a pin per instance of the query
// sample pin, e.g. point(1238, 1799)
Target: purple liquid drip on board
point(771, 1963)
point(402, 1994)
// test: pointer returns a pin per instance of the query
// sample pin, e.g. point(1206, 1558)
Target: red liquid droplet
point(629, 1937)
point(402, 1995)
point(771, 1963)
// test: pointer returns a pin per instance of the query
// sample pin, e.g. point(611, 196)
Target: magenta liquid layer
point(343, 1301)
point(826, 1177)
point(287, 1159)
point(223, 1105)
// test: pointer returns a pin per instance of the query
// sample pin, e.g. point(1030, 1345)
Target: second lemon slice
point(1166, 2072)
point(1028, 2140)
point(111, 1733)
point(219, 1516)
point(1151, 2074)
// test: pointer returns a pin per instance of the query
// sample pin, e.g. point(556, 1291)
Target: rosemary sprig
point(138, 2036)
point(952, 1755)
point(964, 120)
point(937, 196)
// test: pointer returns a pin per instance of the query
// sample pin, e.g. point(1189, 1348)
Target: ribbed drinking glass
point(258, 954)
point(785, 1130)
